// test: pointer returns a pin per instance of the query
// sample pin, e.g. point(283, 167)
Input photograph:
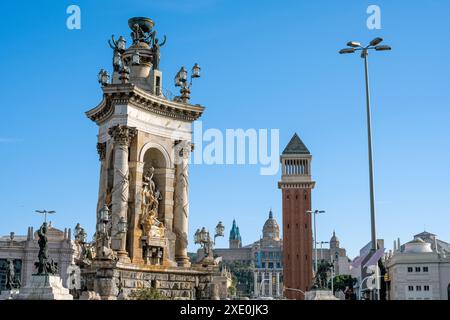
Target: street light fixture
point(354, 44)
point(122, 226)
point(314, 213)
point(181, 81)
point(220, 228)
point(45, 213)
point(373, 45)
point(103, 77)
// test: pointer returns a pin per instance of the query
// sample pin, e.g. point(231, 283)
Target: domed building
point(262, 258)
point(419, 269)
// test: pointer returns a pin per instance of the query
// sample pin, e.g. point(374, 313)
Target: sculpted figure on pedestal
point(150, 196)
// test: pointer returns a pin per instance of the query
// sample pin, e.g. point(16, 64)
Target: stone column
point(270, 285)
point(263, 283)
point(277, 283)
point(122, 136)
point(181, 210)
point(101, 149)
point(135, 246)
point(255, 283)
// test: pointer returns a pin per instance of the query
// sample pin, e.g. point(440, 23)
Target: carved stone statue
point(156, 49)
point(321, 278)
point(150, 196)
point(138, 35)
point(43, 249)
point(117, 52)
point(11, 281)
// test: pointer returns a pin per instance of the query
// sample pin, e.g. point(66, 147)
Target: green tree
point(341, 282)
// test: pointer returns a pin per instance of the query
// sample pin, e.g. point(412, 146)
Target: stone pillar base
point(44, 287)
point(320, 295)
point(9, 294)
point(183, 262)
point(122, 256)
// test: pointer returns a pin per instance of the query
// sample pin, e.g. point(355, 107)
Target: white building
point(23, 251)
point(419, 269)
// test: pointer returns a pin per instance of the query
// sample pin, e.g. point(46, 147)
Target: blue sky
point(265, 64)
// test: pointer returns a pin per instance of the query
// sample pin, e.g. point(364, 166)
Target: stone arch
point(160, 148)
point(156, 156)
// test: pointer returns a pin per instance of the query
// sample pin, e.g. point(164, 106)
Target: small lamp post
point(181, 81)
point(220, 228)
point(104, 218)
point(122, 226)
point(103, 77)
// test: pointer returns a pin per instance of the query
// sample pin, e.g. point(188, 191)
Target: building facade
point(262, 260)
point(296, 185)
point(23, 251)
point(419, 269)
point(334, 254)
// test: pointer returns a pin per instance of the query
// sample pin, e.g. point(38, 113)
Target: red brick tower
point(296, 185)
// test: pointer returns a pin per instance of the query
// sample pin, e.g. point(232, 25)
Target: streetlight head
point(196, 71)
point(347, 50)
point(376, 41)
point(354, 44)
point(383, 48)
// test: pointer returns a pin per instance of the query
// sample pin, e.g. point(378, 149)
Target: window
point(410, 269)
point(270, 265)
point(418, 288)
point(263, 265)
point(410, 288)
point(426, 288)
point(417, 269)
point(425, 269)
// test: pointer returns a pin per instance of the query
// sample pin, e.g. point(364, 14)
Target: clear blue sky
point(266, 64)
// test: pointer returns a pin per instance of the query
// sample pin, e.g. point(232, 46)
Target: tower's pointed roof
point(234, 232)
point(296, 146)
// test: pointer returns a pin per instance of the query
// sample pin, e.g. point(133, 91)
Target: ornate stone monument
point(144, 142)
point(45, 284)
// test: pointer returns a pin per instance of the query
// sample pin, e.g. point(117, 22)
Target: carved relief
point(101, 149)
point(122, 135)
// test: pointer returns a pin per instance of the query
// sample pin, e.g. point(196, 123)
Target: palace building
point(263, 259)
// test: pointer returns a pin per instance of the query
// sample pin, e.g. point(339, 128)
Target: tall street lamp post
point(314, 213)
point(354, 46)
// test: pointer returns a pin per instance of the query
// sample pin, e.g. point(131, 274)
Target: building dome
point(417, 246)
point(334, 241)
point(271, 229)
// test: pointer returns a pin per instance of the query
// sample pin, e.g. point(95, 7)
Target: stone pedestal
point(44, 287)
point(9, 294)
point(89, 295)
point(320, 295)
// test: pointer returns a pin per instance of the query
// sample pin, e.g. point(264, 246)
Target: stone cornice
point(296, 185)
point(120, 94)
